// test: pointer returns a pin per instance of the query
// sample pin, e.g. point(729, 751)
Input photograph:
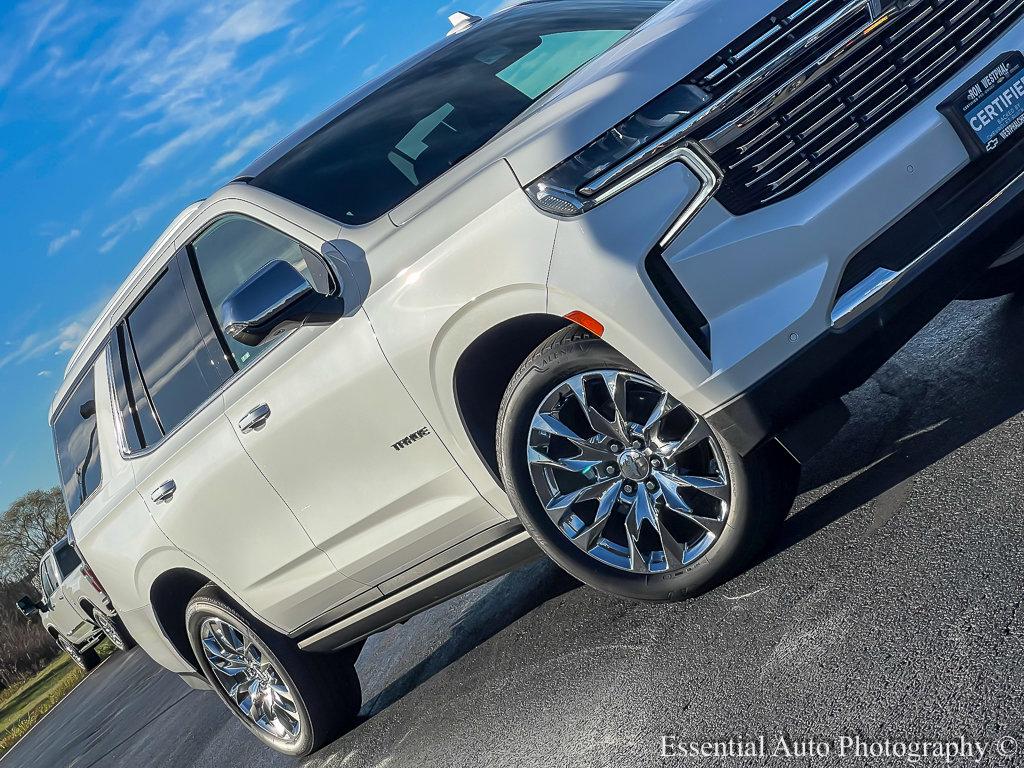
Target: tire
point(762, 484)
point(86, 660)
point(322, 691)
point(114, 629)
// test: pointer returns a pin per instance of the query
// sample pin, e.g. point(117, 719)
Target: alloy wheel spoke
point(575, 464)
point(711, 486)
point(640, 512)
point(588, 538)
point(664, 407)
point(675, 448)
point(559, 504)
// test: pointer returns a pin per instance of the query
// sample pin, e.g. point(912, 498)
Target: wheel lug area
point(638, 445)
point(611, 470)
point(651, 485)
point(615, 448)
point(628, 488)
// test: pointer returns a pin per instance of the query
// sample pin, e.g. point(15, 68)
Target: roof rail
point(97, 326)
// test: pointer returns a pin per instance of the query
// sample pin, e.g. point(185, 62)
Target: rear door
point(68, 570)
point(340, 438)
point(200, 486)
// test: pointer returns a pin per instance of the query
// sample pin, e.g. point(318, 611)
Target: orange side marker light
point(586, 321)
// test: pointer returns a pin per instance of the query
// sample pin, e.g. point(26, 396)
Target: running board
point(505, 556)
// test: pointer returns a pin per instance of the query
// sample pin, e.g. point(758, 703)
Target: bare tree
point(29, 527)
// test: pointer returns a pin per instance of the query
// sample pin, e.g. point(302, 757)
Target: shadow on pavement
point(956, 382)
point(506, 603)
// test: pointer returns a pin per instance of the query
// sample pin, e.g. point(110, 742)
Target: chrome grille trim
point(810, 84)
point(823, 111)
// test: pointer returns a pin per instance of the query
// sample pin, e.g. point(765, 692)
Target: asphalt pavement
point(889, 609)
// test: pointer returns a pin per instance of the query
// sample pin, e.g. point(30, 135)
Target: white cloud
point(44, 374)
point(62, 338)
point(127, 224)
point(251, 21)
point(353, 34)
point(62, 240)
point(257, 139)
point(21, 39)
point(374, 68)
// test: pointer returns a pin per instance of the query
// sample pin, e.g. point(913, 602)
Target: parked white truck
point(75, 610)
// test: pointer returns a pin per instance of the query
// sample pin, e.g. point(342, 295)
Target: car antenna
point(461, 21)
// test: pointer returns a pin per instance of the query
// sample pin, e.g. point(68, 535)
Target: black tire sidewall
point(570, 355)
point(208, 604)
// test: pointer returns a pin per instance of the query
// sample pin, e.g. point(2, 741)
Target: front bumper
point(932, 275)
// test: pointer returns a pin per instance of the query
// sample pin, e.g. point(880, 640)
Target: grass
point(25, 705)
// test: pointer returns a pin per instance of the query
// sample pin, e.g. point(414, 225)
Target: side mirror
point(28, 607)
point(273, 298)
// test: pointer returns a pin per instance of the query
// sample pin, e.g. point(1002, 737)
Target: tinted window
point(67, 560)
point(169, 350)
point(51, 581)
point(414, 128)
point(74, 435)
point(231, 251)
point(137, 417)
point(44, 579)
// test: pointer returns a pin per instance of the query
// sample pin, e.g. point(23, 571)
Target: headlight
point(569, 188)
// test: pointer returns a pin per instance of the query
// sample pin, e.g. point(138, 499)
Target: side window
point(74, 435)
point(168, 351)
point(44, 580)
point(231, 251)
point(50, 580)
point(67, 561)
point(137, 417)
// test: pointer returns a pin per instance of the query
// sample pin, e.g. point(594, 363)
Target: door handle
point(164, 492)
point(255, 418)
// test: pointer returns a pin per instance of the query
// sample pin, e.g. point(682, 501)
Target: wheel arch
point(484, 370)
point(169, 597)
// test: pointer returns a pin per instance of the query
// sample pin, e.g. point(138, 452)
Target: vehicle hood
point(658, 54)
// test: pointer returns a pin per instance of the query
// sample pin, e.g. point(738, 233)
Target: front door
point(198, 483)
point(335, 431)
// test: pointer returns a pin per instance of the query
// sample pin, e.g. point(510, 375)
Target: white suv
point(75, 611)
point(589, 275)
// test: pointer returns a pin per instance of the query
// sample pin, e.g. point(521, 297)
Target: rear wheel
point(114, 629)
point(86, 660)
point(622, 485)
point(294, 701)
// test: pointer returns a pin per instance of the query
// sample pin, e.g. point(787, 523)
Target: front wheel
point(622, 485)
point(86, 660)
point(294, 701)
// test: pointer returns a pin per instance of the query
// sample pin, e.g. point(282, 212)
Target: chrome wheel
point(627, 473)
point(252, 683)
point(71, 651)
point(109, 629)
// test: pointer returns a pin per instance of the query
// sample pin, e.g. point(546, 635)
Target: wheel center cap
point(634, 465)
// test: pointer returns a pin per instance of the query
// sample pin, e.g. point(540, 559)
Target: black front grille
point(821, 118)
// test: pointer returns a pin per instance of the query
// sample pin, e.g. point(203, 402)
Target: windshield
point(417, 126)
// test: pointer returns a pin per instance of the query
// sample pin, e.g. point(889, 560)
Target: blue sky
point(113, 116)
